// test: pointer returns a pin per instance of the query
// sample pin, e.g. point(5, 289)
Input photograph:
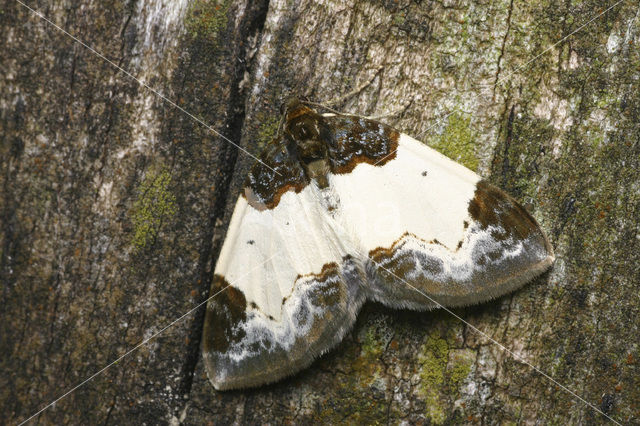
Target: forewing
point(427, 226)
point(292, 290)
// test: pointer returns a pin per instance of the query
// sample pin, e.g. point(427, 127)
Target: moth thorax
point(306, 133)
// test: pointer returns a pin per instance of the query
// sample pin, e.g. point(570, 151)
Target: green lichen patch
point(443, 370)
point(268, 130)
point(460, 363)
point(372, 344)
point(206, 18)
point(155, 203)
point(457, 141)
point(433, 359)
point(367, 365)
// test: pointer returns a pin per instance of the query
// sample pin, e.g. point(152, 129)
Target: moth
point(342, 209)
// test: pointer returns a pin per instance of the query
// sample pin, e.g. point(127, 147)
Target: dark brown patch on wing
point(225, 312)
point(267, 182)
point(388, 251)
point(327, 268)
point(345, 141)
point(358, 140)
point(329, 272)
point(394, 264)
point(385, 255)
point(491, 206)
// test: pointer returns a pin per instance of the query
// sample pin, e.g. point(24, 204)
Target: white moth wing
point(293, 292)
point(275, 246)
point(426, 226)
point(419, 191)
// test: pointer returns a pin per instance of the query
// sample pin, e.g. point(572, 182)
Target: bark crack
point(502, 49)
point(251, 23)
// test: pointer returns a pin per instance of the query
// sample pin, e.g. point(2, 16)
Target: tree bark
point(114, 202)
